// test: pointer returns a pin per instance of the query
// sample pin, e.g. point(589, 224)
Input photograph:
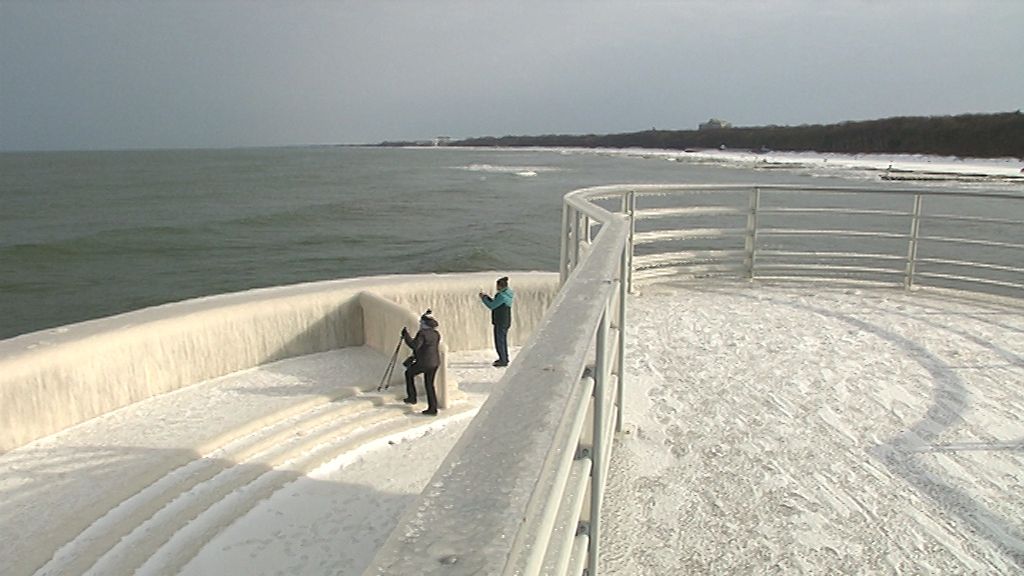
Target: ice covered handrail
point(521, 491)
point(937, 238)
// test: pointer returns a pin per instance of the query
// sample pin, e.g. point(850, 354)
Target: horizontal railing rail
point(971, 240)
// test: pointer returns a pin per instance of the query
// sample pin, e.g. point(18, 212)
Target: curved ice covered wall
point(53, 379)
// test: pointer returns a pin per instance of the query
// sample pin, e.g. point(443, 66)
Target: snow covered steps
point(165, 524)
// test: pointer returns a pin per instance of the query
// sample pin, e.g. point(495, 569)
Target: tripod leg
point(384, 378)
point(387, 373)
point(385, 382)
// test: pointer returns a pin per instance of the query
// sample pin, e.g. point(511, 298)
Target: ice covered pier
point(720, 379)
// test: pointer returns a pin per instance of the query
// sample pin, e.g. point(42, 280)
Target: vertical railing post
point(596, 470)
point(587, 233)
point(563, 260)
point(577, 228)
point(631, 211)
point(915, 231)
point(620, 342)
point(751, 238)
point(625, 287)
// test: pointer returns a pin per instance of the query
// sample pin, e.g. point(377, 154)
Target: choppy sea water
point(90, 234)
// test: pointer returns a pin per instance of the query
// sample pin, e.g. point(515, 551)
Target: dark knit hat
point(428, 321)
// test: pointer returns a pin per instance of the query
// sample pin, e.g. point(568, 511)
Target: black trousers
point(428, 383)
point(501, 343)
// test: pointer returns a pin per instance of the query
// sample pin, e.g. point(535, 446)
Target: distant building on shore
point(442, 140)
point(714, 124)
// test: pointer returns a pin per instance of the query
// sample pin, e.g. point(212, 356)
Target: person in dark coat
point(501, 317)
point(427, 359)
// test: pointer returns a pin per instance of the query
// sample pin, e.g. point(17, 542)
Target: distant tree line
point(967, 135)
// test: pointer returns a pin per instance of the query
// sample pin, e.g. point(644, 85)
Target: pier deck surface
point(790, 430)
point(769, 429)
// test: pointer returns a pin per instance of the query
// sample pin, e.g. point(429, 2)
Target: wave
point(524, 171)
point(115, 242)
point(468, 258)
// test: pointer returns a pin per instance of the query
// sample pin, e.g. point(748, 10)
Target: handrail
point(509, 498)
point(792, 232)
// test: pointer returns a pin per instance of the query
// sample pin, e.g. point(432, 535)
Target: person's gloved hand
point(405, 332)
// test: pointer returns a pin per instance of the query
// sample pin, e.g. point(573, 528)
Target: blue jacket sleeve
point(503, 297)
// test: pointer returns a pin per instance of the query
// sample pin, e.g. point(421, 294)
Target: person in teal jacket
point(501, 317)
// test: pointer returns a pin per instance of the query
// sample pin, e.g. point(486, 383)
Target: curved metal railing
point(521, 492)
point(967, 240)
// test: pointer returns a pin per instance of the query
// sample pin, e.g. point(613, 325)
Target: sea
point(91, 234)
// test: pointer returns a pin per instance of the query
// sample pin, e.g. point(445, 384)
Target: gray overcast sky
point(102, 75)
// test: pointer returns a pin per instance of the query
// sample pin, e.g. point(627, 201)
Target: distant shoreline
point(999, 135)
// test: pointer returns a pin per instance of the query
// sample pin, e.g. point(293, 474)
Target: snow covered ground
point(793, 430)
point(912, 169)
point(920, 163)
point(769, 429)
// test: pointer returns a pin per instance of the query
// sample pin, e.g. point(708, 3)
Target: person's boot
point(409, 400)
point(429, 412)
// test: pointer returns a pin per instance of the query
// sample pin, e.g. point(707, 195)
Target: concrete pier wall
point(53, 379)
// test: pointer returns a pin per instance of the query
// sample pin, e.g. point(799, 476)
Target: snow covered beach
point(770, 429)
point(916, 168)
